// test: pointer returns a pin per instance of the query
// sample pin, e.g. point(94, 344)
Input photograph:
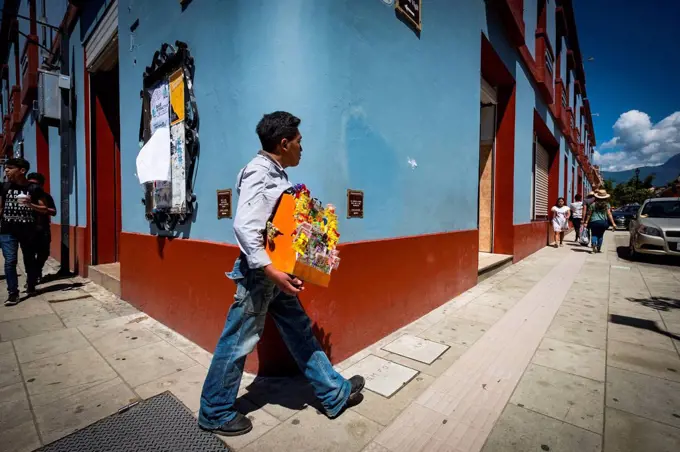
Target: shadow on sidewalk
point(623, 252)
point(292, 393)
point(644, 324)
point(581, 250)
point(658, 303)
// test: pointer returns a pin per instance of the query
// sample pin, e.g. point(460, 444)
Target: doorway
point(487, 140)
point(105, 164)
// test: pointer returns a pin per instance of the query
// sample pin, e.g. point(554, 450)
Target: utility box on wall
point(49, 95)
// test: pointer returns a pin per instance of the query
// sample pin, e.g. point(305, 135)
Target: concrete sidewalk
point(564, 351)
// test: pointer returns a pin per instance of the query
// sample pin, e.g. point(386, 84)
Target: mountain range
point(663, 174)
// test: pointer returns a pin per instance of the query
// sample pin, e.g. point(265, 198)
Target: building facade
point(460, 127)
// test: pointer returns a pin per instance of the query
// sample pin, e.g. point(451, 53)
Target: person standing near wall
point(576, 215)
point(263, 289)
point(599, 218)
point(560, 223)
point(43, 235)
point(19, 203)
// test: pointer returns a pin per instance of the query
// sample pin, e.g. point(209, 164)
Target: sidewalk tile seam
point(28, 397)
point(656, 421)
point(557, 419)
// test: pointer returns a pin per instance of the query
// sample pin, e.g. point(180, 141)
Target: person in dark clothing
point(43, 235)
point(19, 202)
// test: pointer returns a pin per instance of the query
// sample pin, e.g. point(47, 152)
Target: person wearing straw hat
point(599, 218)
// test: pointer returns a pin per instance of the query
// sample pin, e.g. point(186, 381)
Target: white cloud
point(639, 142)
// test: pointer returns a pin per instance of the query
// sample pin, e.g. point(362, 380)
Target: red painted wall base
point(77, 239)
point(380, 286)
point(529, 238)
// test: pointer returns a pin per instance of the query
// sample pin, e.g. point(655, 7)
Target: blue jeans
point(597, 229)
point(10, 249)
point(255, 296)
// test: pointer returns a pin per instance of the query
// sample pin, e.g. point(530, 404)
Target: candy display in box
point(302, 237)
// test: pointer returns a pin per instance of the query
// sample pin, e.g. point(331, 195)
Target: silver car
point(655, 229)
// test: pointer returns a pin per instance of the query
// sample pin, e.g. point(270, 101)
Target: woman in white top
point(560, 215)
point(576, 215)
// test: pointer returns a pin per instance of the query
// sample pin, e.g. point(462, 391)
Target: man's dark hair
point(578, 198)
point(274, 127)
point(18, 163)
point(36, 176)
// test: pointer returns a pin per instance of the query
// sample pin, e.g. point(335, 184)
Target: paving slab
point(416, 348)
point(280, 397)
point(178, 341)
point(65, 416)
point(438, 366)
point(150, 362)
point(643, 395)
point(20, 438)
point(81, 312)
point(647, 333)
point(315, 432)
point(118, 339)
point(9, 369)
point(6, 347)
point(625, 432)
point(580, 314)
point(521, 430)
point(51, 379)
point(645, 360)
point(262, 423)
point(454, 330)
point(185, 385)
point(382, 376)
point(583, 333)
point(14, 407)
point(384, 410)
point(29, 308)
point(49, 344)
point(572, 358)
point(480, 313)
point(20, 328)
point(576, 400)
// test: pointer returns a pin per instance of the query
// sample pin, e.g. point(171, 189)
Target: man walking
point(263, 289)
point(19, 202)
point(43, 235)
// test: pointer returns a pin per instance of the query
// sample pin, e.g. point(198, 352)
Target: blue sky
point(633, 83)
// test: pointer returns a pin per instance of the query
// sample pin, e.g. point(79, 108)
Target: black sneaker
point(240, 425)
point(30, 291)
point(357, 383)
point(12, 300)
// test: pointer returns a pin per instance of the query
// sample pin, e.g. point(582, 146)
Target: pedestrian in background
point(576, 215)
point(560, 217)
point(43, 235)
point(261, 288)
point(19, 202)
point(599, 218)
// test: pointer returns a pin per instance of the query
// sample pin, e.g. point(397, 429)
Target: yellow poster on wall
point(177, 97)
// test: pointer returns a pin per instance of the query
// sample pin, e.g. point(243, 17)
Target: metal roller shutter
point(101, 48)
point(542, 165)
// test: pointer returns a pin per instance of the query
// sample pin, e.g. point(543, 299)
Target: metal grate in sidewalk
point(161, 423)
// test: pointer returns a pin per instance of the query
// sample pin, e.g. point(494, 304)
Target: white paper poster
point(153, 160)
point(160, 106)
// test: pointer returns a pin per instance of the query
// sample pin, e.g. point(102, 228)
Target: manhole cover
point(161, 423)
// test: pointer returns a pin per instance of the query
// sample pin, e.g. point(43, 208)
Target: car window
point(662, 209)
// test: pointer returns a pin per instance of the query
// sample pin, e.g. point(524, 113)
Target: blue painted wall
point(551, 25)
point(563, 61)
point(28, 135)
point(530, 22)
point(357, 77)
point(55, 169)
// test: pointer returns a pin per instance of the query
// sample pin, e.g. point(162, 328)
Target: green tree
point(632, 191)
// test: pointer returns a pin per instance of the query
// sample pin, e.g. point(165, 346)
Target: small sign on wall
point(224, 204)
point(355, 204)
point(410, 9)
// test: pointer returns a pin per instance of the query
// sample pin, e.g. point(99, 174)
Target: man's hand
point(285, 282)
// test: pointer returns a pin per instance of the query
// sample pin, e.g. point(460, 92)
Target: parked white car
point(656, 228)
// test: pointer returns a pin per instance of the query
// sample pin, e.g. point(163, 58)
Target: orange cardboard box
point(280, 249)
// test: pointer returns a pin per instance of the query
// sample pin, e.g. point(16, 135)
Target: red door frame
point(494, 71)
point(105, 166)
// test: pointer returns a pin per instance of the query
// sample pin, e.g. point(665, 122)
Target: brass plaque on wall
point(224, 203)
point(355, 204)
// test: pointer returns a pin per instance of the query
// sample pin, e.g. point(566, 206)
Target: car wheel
point(632, 254)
